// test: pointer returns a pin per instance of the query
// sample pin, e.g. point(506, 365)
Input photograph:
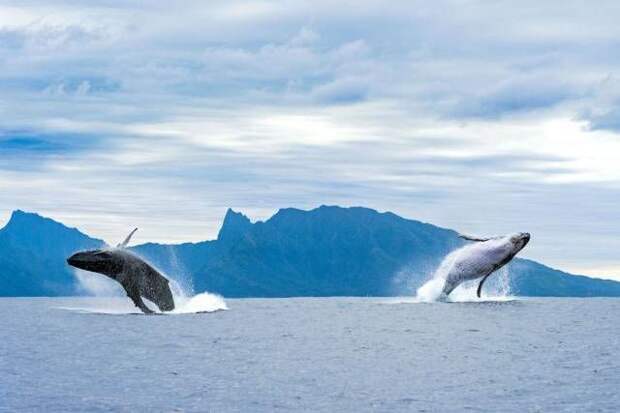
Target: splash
point(200, 303)
point(186, 302)
point(183, 279)
point(430, 291)
point(197, 304)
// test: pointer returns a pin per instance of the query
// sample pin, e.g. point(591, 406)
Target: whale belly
point(466, 270)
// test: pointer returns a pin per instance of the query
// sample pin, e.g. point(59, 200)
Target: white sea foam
point(200, 303)
point(431, 290)
point(186, 302)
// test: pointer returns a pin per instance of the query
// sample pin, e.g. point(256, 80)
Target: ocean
point(311, 354)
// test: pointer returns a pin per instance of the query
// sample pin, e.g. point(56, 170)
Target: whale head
point(103, 261)
point(518, 241)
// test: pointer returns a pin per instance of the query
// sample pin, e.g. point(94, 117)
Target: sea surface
point(306, 354)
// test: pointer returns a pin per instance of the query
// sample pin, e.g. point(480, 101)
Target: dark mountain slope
point(33, 250)
point(328, 251)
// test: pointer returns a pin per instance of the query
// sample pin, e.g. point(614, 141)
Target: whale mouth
point(76, 260)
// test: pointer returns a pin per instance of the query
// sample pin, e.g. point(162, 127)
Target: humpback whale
point(138, 278)
point(480, 259)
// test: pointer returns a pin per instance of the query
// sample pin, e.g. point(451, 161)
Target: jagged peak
point(235, 224)
point(18, 213)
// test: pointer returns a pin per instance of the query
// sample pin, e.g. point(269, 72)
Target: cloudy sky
point(485, 117)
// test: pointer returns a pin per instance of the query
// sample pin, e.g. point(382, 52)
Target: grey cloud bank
point(488, 118)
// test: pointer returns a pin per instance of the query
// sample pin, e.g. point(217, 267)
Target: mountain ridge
point(326, 251)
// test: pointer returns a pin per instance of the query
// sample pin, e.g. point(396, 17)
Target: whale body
point(136, 276)
point(479, 259)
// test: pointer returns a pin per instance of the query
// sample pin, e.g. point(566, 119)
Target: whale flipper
point(158, 291)
point(476, 239)
point(137, 300)
point(480, 285)
point(124, 243)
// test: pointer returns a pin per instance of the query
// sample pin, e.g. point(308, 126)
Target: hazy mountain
point(326, 251)
point(323, 252)
point(33, 250)
point(529, 278)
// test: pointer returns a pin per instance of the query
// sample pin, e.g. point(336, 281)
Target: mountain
point(529, 278)
point(328, 251)
point(33, 250)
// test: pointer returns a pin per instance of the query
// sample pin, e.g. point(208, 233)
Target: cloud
point(342, 91)
point(487, 118)
point(609, 120)
point(28, 144)
point(33, 151)
point(602, 111)
point(442, 64)
point(512, 98)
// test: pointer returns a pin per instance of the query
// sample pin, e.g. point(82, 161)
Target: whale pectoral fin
point(124, 243)
point(140, 304)
point(480, 285)
point(471, 238)
point(137, 300)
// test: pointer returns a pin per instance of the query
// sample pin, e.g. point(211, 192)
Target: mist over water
point(182, 277)
point(96, 285)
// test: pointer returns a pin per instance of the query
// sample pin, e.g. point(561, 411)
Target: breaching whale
point(480, 259)
point(138, 278)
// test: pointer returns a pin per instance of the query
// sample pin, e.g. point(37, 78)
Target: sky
point(484, 117)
